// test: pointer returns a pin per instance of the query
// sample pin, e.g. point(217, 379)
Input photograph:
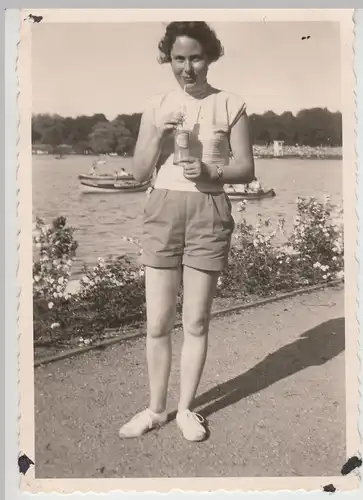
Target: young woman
point(187, 223)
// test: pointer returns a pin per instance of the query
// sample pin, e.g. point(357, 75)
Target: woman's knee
point(162, 287)
point(196, 327)
point(160, 328)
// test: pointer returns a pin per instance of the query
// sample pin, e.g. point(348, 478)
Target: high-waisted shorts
point(187, 228)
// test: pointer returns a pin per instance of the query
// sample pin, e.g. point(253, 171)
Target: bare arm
point(147, 149)
point(149, 143)
point(240, 171)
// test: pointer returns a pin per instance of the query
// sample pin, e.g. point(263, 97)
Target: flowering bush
point(55, 248)
point(54, 252)
point(313, 253)
point(112, 292)
point(318, 240)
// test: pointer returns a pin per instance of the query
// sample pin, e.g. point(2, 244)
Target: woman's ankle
point(183, 407)
point(157, 409)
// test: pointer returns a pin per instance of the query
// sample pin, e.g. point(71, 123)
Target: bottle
point(181, 145)
point(181, 139)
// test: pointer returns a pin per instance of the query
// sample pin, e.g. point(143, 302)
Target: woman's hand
point(192, 169)
point(170, 122)
point(195, 170)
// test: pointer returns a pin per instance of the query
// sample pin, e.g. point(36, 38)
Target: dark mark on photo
point(351, 464)
point(330, 488)
point(24, 463)
point(35, 19)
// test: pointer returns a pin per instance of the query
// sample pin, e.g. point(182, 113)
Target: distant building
point(278, 148)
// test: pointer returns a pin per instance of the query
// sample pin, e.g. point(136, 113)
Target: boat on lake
point(259, 195)
point(105, 177)
point(122, 186)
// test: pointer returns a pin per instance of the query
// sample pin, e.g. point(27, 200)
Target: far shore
point(260, 152)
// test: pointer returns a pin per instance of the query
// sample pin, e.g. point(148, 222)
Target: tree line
point(96, 134)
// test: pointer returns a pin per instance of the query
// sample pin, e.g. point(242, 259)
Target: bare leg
point(162, 286)
point(199, 288)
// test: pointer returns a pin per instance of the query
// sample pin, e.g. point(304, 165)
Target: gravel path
point(273, 392)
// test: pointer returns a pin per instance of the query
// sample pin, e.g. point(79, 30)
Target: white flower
point(54, 325)
point(289, 250)
point(86, 341)
point(61, 280)
point(340, 274)
point(37, 278)
point(85, 279)
point(324, 276)
point(50, 305)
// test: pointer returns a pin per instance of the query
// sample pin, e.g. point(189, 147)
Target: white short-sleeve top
point(210, 120)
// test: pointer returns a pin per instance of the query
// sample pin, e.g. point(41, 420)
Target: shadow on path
point(314, 347)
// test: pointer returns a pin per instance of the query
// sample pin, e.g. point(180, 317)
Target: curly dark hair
point(198, 30)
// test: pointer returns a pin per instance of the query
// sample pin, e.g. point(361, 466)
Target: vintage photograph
point(189, 248)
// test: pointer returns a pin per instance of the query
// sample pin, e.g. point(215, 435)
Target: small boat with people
point(95, 175)
point(236, 195)
point(251, 191)
point(119, 181)
point(122, 174)
point(124, 186)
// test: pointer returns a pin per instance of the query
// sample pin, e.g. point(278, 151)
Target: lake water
point(101, 220)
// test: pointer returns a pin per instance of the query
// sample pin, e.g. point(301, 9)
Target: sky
point(83, 68)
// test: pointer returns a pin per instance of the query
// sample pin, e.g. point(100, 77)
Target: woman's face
point(189, 62)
